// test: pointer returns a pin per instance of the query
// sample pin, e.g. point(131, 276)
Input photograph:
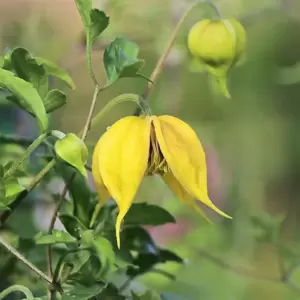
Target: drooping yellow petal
point(182, 194)
point(99, 185)
point(123, 152)
point(185, 156)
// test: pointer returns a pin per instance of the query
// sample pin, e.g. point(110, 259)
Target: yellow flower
point(134, 147)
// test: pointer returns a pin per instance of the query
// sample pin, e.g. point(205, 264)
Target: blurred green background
point(252, 140)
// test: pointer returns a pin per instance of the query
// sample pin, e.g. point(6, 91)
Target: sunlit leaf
point(26, 94)
point(74, 151)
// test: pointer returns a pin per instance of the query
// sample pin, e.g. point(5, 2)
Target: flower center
point(156, 161)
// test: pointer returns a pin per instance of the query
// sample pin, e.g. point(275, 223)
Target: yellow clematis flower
point(135, 147)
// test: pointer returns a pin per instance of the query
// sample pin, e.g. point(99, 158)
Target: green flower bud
point(218, 44)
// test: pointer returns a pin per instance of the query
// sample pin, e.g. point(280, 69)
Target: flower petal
point(185, 156)
point(99, 185)
point(182, 194)
point(123, 153)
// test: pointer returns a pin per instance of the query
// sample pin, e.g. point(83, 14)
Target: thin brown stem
point(160, 63)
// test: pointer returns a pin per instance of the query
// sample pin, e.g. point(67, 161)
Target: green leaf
point(79, 191)
point(84, 7)
point(26, 94)
point(27, 68)
point(73, 150)
point(2, 190)
point(105, 254)
point(53, 70)
point(54, 100)
point(12, 189)
point(81, 292)
point(72, 225)
point(3, 207)
point(148, 214)
point(94, 20)
point(55, 238)
point(121, 60)
point(138, 239)
point(1, 171)
point(99, 22)
point(148, 295)
point(111, 292)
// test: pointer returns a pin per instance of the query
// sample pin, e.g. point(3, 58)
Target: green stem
point(89, 59)
point(27, 153)
point(17, 288)
point(6, 214)
point(117, 100)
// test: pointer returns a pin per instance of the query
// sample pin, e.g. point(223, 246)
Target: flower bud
point(218, 44)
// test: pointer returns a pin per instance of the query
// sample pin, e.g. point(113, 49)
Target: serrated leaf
point(27, 68)
point(26, 94)
point(99, 22)
point(55, 238)
point(54, 70)
point(148, 214)
point(54, 100)
point(81, 292)
point(73, 150)
point(121, 60)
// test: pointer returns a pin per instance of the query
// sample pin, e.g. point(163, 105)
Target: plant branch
point(19, 256)
point(17, 288)
point(160, 63)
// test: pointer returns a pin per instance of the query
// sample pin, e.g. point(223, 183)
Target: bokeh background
point(252, 140)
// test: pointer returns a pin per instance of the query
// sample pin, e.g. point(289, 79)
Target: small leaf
point(55, 238)
point(121, 60)
point(72, 225)
point(99, 22)
point(27, 68)
point(74, 151)
point(26, 94)
point(53, 70)
point(148, 214)
point(81, 292)
point(54, 100)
